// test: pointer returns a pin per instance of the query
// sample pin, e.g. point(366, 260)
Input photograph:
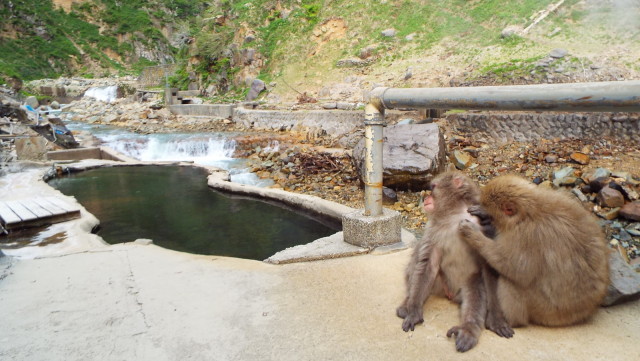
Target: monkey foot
point(410, 322)
point(503, 330)
point(465, 338)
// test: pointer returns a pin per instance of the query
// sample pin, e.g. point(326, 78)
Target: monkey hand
point(478, 211)
point(466, 336)
point(411, 320)
point(470, 233)
point(485, 220)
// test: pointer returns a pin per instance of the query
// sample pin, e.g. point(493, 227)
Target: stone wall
point(339, 124)
point(505, 127)
point(208, 110)
point(154, 76)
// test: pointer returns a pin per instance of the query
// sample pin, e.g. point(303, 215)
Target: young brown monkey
point(442, 263)
point(550, 253)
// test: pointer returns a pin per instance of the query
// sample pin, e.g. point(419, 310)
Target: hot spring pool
point(174, 207)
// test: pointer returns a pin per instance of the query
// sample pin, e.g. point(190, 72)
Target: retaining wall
point(208, 110)
point(506, 127)
point(334, 122)
point(105, 153)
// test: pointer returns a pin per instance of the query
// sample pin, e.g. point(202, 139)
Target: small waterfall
point(106, 94)
point(204, 149)
point(161, 147)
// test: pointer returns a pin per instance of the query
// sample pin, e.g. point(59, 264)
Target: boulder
point(389, 33)
point(625, 282)
point(412, 155)
point(631, 211)
point(257, 86)
point(609, 197)
point(558, 53)
point(32, 101)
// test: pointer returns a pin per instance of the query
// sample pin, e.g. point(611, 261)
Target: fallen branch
point(544, 14)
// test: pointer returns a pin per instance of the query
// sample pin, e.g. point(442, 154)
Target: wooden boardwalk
point(34, 212)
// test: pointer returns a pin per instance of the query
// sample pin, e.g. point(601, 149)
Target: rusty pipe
point(613, 96)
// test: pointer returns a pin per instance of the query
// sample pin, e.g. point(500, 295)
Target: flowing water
point(210, 149)
point(175, 208)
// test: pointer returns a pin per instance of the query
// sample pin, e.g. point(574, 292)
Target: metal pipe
point(613, 96)
point(374, 122)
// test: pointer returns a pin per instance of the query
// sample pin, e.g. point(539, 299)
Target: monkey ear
point(509, 208)
point(458, 182)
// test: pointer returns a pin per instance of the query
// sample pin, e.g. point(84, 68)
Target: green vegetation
point(40, 40)
point(290, 39)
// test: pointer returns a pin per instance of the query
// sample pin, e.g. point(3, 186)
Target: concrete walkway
point(84, 300)
point(134, 302)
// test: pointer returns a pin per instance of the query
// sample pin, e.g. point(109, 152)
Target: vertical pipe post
point(374, 122)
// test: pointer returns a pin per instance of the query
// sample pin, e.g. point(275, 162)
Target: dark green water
point(175, 208)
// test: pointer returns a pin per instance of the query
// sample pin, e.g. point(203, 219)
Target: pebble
point(580, 158)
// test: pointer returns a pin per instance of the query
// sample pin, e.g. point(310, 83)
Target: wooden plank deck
point(35, 211)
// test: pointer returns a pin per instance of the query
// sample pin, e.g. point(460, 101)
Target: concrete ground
point(83, 300)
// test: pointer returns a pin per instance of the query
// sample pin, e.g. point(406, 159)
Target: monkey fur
point(550, 253)
point(444, 264)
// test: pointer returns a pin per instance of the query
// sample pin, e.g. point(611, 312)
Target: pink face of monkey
point(428, 204)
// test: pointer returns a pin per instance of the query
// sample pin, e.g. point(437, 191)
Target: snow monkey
point(550, 253)
point(444, 264)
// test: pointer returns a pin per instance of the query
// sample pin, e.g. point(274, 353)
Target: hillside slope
point(45, 38)
point(306, 50)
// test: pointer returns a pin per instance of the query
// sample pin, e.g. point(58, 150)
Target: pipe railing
point(615, 96)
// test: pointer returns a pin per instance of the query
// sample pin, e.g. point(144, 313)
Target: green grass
point(49, 41)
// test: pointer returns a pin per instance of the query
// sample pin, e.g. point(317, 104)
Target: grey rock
point(248, 55)
point(624, 175)
point(389, 196)
point(510, 31)
point(55, 105)
point(32, 101)
point(389, 33)
point(345, 106)
point(406, 121)
point(329, 105)
point(412, 155)
point(565, 181)
point(625, 282)
point(564, 172)
point(257, 86)
point(630, 193)
point(408, 74)
point(578, 193)
point(352, 63)
point(591, 175)
point(551, 158)
point(368, 51)
point(558, 53)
